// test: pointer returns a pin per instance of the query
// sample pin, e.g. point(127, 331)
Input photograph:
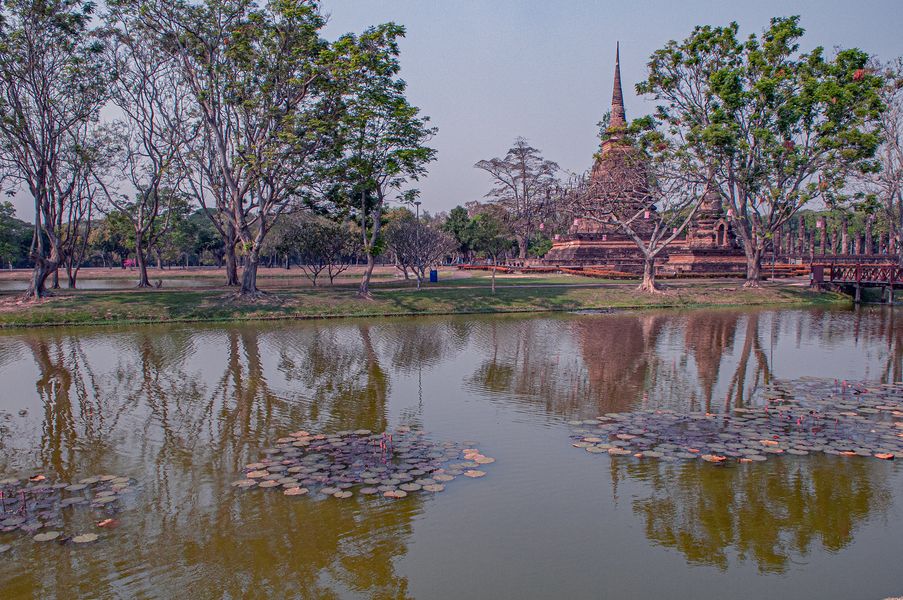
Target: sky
point(489, 71)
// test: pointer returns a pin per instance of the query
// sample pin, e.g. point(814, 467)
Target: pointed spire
point(618, 117)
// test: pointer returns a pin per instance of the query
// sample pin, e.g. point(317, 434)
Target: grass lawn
point(464, 295)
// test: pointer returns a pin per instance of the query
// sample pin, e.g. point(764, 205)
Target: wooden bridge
point(856, 276)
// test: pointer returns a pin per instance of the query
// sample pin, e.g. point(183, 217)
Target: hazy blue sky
point(487, 71)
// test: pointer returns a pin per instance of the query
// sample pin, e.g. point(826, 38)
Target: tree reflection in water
point(151, 404)
point(771, 513)
point(710, 361)
point(182, 409)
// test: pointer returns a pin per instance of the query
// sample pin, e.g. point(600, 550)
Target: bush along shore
point(221, 305)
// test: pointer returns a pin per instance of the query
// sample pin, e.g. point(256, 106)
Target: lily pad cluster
point(35, 506)
point(799, 418)
point(347, 463)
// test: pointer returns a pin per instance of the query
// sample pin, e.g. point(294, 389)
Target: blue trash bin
point(434, 276)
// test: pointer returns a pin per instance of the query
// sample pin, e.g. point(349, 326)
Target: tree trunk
point(71, 275)
point(364, 289)
point(140, 259)
point(522, 247)
point(159, 260)
point(56, 278)
point(231, 264)
point(369, 245)
point(753, 268)
point(37, 286)
point(648, 284)
point(249, 275)
point(494, 261)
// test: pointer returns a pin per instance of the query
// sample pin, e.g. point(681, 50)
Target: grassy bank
point(470, 296)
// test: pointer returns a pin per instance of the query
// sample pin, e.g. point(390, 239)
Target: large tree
point(52, 84)
point(885, 183)
point(779, 127)
point(145, 166)
point(74, 227)
point(486, 234)
point(522, 182)
point(456, 225)
point(383, 136)
point(262, 80)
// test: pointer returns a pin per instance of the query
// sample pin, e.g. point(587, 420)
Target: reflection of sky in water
point(113, 283)
point(182, 408)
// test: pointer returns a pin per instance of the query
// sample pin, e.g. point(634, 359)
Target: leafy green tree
point(173, 234)
point(779, 127)
point(383, 136)
point(319, 245)
point(267, 88)
point(14, 236)
point(487, 235)
point(109, 238)
point(457, 226)
point(885, 183)
point(52, 84)
point(205, 240)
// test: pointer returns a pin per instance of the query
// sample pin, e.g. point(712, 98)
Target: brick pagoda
point(619, 175)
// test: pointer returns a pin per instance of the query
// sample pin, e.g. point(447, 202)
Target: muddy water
point(182, 409)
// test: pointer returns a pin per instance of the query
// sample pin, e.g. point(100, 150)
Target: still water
point(182, 409)
point(112, 283)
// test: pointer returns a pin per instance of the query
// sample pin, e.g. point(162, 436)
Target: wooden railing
point(858, 274)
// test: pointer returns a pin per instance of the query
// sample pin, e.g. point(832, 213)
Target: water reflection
point(696, 361)
point(770, 514)
point(181, 409)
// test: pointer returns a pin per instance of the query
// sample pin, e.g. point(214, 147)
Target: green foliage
point(457, 225)
point(383, 137)
point(539, 246)
point(15, 236)
point(487, 235)
point(315, 243)
point(776, 128)
point(109, 237)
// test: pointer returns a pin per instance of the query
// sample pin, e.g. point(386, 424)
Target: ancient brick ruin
point(619, 176)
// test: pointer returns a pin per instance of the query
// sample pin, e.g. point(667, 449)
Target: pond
point(181, 410)
point(113, 283)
